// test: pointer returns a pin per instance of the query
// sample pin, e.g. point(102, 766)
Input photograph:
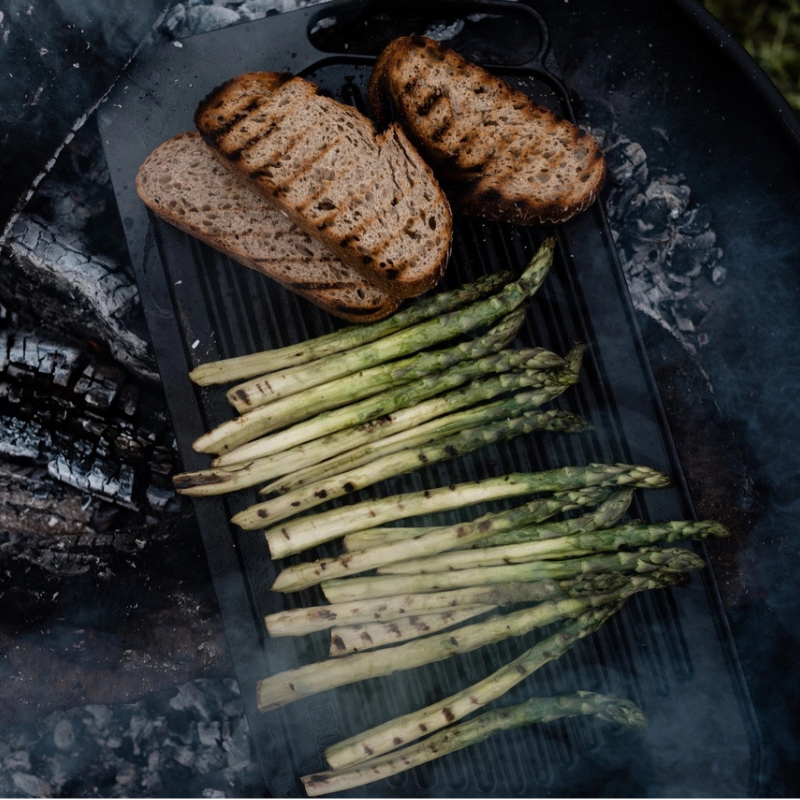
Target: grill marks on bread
point(185, 183)
point(368, 197)
point(496, 152)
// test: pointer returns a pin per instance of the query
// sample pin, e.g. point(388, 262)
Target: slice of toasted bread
point(496, 153)
point(183, 182)
point(370, 198)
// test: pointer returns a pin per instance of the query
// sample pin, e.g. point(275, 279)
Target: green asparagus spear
point(411, 340)
point(273, 455)
point(572, 546)
point(308, 573)
point(351, 639)
point(543, 387)
point(301, 534)
point(643, 561)
point(256, 364)
point(295, 684)
point(606, 515)
point(459, 444)
point(513, 367)
point(341, 390)
point(534, 711)
point(302, 621)
point(229, 477)
point(347, 639)
point(421, 436)
point(410, 727)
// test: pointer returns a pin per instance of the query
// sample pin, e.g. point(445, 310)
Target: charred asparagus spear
point(371, 635)
point(262, 514)
point(643, 561)
point(424, 435)
point(305, 574)
point(572, 546)
point(259, 364)
point(604, 516)
point(410, 727)
point(411, 340)
point(304, 681)
point(301, 534)
point(534, 711)
point(274, 455)
point(302, 621)
point(340, 390)
point(229, 475)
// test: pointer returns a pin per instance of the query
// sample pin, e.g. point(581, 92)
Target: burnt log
point(37, 505)
point(52, 276)
point(88, 422)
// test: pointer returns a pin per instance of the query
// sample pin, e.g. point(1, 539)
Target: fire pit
point(711, 292)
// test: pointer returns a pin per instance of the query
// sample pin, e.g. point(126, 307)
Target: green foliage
point(770, 32)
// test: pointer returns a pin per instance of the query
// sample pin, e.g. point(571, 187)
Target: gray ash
point(76, 196)
point(200, 16)
point(665, 240)
point(192, 741)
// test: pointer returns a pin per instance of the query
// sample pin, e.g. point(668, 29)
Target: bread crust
point(389, 220)
point(183, 182)
point(496, 152)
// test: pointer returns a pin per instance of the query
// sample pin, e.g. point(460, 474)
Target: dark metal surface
point(671, 652)
point(679, 84)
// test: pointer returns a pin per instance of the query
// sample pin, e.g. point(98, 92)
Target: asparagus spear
point(421, 436)
point(298, 535)
point(341, 390)
point(371, 635)
point(459, 444)
point(574, 545)
point(234, 470)
point(294, 684)
point(486, 388)
point(305, 574)
point(424, 335)
point(302, 621)
point(255, 364)
point(604, 516)
point(643, 561)
point(543, 387)
point(344, 388)
point(533, 711)
point(410, 727)
point(308, 573)
point(512, 367)
point(348, 639)
point(273, 455)
point(394, 464)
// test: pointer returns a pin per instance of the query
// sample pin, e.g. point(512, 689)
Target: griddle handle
point(496, 33)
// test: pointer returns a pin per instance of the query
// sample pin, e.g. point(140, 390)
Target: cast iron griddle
point(669, 651)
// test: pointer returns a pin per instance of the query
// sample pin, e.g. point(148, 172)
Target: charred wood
point(84, 419)
point(36, 504)
point(51, 276)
